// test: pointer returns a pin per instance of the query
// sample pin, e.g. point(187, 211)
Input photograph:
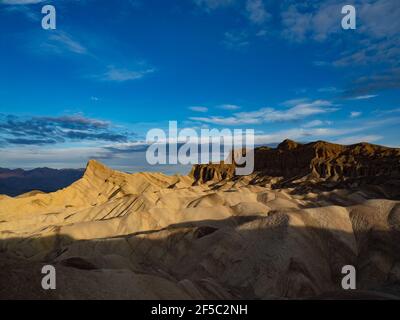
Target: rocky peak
point(95, 168)
point(288, 145)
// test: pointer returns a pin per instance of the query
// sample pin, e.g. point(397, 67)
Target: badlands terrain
point(284, 232)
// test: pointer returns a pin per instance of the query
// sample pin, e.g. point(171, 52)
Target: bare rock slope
point(211, 234)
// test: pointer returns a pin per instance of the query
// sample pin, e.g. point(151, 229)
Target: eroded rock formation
point(211, 235)
point(320, 164)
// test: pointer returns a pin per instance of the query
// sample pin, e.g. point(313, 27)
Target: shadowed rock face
point(317, 162)
point(212, 172)
point(150, 236)
point(328, 161)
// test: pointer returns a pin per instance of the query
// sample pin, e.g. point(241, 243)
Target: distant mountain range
point(19, 181)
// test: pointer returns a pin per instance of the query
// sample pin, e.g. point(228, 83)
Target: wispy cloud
point(355, 114)
point(385, 112)
point(65, 40)
point(374, 43)
point(256, 11)
point(39, 156)
point(229, 107)
point(294, 102)
point(316, 123)
point(50, 130)
point(328, 89)
point(59, 42)
point(318, 20)
point(198, 108)
point(367, 85)
point(263, 115)
point(364, 97)
point(359, 138)
point(22, 8)
point(122, 74)
point(303, 134)
point(378, 51)
point(236, 39)
point(30, 142)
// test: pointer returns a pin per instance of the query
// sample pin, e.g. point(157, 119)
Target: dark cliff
point(315, 162)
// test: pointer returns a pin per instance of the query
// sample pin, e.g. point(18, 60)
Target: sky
point(112, 70)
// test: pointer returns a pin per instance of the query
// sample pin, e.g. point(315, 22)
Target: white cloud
point(316, 123)
point(236, 39)
point(382, 80)
point(378, 27)
point(198, 108)
point(69, 43)
point(377, 31)
point(355, 114)
point(379, 18)
point(320, 63)
point(293, 102)
point(302, 134)
point(390, 111)
point(122, 75)
point(262, 33)
point(228, 121)
point(299, 111)
point(296, 25)
point(328, 89)
point(228, 107)
point(383, 50)
point(60, 42)
point(71, 157)
point(364, 97)
point(256, 11)
point(321, 19)
point(358, 139)
point(383, 122)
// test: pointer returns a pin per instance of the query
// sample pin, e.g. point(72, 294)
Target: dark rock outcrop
point(316, 162)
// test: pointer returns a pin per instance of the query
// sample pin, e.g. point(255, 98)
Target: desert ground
point(284, 232)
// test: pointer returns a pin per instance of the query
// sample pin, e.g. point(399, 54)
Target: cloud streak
point(50, 130)
point(198, 108)
point(64, 40)
point(299, 111)
point(114, 74)
point(256, 11)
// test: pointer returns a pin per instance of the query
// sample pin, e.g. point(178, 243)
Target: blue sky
point(112, 70)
